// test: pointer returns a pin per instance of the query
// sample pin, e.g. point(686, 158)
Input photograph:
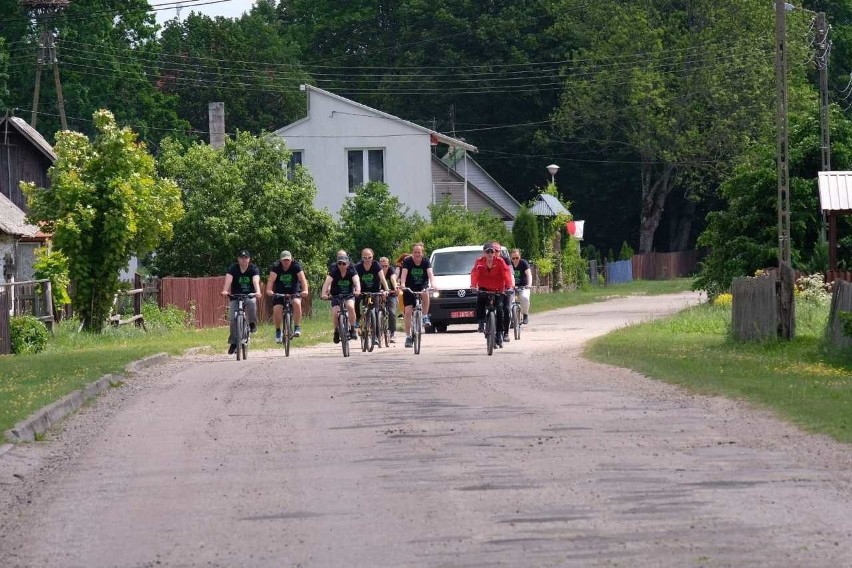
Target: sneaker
point(336, 336)
point(232, 349)
point(391, 339)
point(499, 341)
point(481, 328)
point(506, 337)
point(409, 341)
point(526, 320)
point(352, 333)
point(427, 320)
point(297, 331)
point(252, 327)
point(277, 336)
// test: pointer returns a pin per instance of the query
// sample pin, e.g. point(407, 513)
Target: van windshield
point(454, 262)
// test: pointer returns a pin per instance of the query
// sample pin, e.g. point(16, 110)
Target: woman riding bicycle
point(341, 286)
point(491, 274)
point(523, 278)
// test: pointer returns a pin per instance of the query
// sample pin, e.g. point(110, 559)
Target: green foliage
point(27, 335)
point(626, 252)
point(574, 266)
point(846, 322)
point(451, 225)
point(376, 219)
point(105, 204)
point(53, 265)
point(525, 233)
point(4, 74)
point(240, 197)
point(167, 319)
point(592, 253)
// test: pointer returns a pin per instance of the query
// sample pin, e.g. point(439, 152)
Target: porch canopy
point(835, 199)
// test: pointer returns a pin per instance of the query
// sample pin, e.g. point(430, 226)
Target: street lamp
point(552, 169)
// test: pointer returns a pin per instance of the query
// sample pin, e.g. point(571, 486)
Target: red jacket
point(494, 279)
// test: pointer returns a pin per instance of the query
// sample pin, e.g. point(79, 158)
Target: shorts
point(280, 301)
point(408, 298)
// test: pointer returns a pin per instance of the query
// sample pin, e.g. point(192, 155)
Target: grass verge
point(801, 380)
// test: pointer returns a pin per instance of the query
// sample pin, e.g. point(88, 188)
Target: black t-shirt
point(391, 271)
point(342, 283)
point(242, 282)
point(370, 281)
point(286, 281)
point(520, 272)
point(417, 278)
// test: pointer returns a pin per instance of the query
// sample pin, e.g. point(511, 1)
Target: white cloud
point(228, 9)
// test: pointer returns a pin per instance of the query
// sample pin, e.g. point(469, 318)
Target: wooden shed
point(835, 198)
point(24, 156)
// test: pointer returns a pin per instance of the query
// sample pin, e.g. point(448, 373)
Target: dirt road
point(532, 457)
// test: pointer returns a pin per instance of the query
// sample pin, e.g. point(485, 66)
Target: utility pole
point(823, 48)
point(43, 12)
point(785, 270)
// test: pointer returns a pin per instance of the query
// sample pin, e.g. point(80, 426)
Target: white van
point(453, 302)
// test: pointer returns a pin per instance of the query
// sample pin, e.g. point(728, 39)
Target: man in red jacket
point(491, 274)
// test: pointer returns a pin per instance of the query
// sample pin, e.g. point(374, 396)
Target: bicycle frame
point(287, 320)
point(370, 320)
point(343, 321)
point(417, 317)
point(239, 316)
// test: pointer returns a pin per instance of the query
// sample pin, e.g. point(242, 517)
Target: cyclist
point(371, 275)
point(491, 274)
point(242, 278)
point(523, 277)
point(342, 279)
point(392, 299)
point(417, 275)
point(287, 277)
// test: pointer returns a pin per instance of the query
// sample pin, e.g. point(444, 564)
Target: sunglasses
point(366, 258)
point(341, 263)
point(489, 251)
point(516, 258)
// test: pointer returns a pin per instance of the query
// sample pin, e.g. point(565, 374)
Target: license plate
point(463, 314)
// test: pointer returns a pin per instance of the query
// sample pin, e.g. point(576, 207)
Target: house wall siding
point(335, 127)
point(20, 161)
point(448, 185)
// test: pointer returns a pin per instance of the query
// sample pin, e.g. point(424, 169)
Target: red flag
point(571, 228)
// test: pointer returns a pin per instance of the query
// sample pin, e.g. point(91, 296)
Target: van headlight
point(436, 294)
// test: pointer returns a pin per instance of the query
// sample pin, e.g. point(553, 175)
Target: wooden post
point(786, 302)
point(48, 301)
point(5, 340)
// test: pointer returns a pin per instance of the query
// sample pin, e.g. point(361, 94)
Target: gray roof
point(487, 185)
point(835, 191)
point(548, 206)
point(32, 135)
point(13, 221)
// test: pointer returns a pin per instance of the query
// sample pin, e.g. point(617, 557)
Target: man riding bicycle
point(371, 275)
point(287, 277)
point(523, 278)
point(342, 280)
point(391, 301)
point(242, 278)
point(416, 275)
point(491, 274)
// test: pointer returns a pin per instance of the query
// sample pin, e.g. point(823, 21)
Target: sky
point(228, 8)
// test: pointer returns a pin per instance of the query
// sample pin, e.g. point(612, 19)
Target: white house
point(18, 241)
point(345, 144)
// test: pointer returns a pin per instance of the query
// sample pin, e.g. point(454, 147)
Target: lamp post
point(552, 169)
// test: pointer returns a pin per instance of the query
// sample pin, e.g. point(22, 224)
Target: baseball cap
point(244, 253)
point(342, 258)
point(487, 246)
point(286, 254)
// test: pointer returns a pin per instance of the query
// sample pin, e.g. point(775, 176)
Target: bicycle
point(370, 321)
point(491, 330)
point(241, 324)
point(416, 317)
point(383, 322)
point(515, 311)
point(287, 315)
point(343, 321)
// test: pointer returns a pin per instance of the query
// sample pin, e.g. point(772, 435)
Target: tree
point(452, 225)
point(241, 197)
point(376, 219)
point(525, 233)
point(4, 74)
point(678, 88)
point(105, 205)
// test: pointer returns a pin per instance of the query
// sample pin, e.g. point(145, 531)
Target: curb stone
point(41, 420)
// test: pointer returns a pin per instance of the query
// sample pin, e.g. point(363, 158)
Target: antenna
point(43, 12)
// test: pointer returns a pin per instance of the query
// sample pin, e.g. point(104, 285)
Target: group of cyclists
point(345, 282)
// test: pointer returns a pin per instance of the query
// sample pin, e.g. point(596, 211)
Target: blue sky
point(228, 9)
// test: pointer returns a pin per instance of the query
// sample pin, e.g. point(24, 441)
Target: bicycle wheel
point(417, 329)
point(240, 324)
point(343, 329)
point(384, 331)
point(516, 320)
point(370, 329)
point(287, 333)
point(490, 332)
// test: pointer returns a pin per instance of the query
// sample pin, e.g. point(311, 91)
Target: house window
point(295, 160)
point(360, 161)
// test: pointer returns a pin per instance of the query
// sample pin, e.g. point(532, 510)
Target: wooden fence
point(841, 301)
point(31, 297)
point(665, 265)
point(838, 275)
point(754, 312)
point(202, 298)
point(5, 331)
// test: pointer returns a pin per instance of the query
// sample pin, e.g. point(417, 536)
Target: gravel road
point(531, 457)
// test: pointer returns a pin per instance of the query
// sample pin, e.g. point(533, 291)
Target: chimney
point(216, 118)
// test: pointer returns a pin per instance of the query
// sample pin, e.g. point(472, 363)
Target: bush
point(168, 318)
point(626, 252)
point(846, 322)
point(724, 299)
point(27, 335)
